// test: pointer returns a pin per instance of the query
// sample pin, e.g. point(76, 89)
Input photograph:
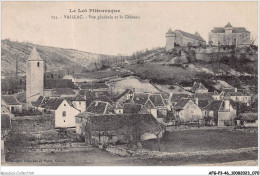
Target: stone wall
point(26, 124)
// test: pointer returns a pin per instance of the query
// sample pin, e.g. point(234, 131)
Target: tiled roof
point(181, 103)
point(218, 30)
point(198, 86)
point(203, 103)
point(93, 95)
point(189, 35)
point(143, 123)
point(38, 102)
point(204, 96)
point(127, 91)
point(240, 30)
point(44, 101)
point(131, 108)
point(79, 98)
point(234, 94)
point(157, 100)
point(58, 83)
point(228, 25)
point(53, 103)
point(34, 56)
point(170, 31)
point(21, 97)
point(98, 107)
point(177, 97)
point(105, 98)
point(140, 98)
point(64, 91)
point(149, 104)
point(215, 105)
point(165, 96)
point(10, 100)
point(234, 29)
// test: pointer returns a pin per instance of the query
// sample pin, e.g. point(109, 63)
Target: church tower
point(170, 35)
point(34, 76)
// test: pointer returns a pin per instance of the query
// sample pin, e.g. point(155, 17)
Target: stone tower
point(228, 34)
point(170, 38)
point(34, 76)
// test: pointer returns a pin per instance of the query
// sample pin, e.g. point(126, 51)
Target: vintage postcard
point(130, 84)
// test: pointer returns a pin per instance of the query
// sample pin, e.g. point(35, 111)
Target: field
point(179, 141)
point(97, 157)
point(203, 140)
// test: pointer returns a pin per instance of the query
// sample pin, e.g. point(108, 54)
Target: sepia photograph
point(130, 84)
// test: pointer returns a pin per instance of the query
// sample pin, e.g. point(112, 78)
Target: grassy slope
point(158, 72)
point(56, 58)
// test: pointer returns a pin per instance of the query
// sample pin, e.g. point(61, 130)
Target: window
point(38, 64)
point(64, 114)
point(80, 103)
point(12, 109)
point(64, 104)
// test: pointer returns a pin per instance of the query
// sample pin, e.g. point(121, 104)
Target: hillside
point(237, 66)
point(56, 58)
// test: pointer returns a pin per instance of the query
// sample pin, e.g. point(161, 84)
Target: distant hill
point(56, 58)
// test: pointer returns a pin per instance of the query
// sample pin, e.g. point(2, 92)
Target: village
point(128, 113)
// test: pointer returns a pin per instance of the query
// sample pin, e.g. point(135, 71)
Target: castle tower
point(170, 38)
point(228, 28)
point(34, 76)
point(228, 34)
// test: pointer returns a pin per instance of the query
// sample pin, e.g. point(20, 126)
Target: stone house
point(113, 128)
point(91, 96)
point(10, 101)
point(229, 35)
point(51, 84)
point(239, 97)
point(63, 110)
point(78, 102)
point(199, 88)
point(154, 103)
point(125, 97)
point(175, 98)
point(187, 111)
point(100, 107)
point(220, 113)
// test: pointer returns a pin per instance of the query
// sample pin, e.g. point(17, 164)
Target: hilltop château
point(181, 38)
point(229, 35)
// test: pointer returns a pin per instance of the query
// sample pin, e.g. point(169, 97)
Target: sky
point(33, 22)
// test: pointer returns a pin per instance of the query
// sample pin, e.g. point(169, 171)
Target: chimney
point(197, 101)
point(226, 104)
point(235, 89)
